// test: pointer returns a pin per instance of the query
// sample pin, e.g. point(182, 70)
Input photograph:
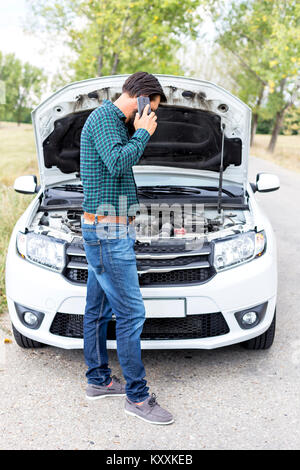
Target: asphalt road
point(227, 398)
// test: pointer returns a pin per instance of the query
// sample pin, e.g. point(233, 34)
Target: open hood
point(188, 135)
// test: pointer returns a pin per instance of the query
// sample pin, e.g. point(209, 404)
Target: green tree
point(292, 121)
point(23, 83)
point(113, 36)
point(263, 35)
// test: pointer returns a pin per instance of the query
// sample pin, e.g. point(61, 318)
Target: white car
point(202, 288)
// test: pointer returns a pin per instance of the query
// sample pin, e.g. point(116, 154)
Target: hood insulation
point(184, 138)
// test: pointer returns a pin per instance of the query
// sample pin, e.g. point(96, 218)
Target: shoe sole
point(105, 396)
point(147, 420)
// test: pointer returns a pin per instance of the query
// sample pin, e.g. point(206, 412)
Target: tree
point(263, 35)
point(281, 101)
point(235, 34)
point(114, 37)
point(218, 65)
point(284, 65)
point(22, 87)
point(292, 121)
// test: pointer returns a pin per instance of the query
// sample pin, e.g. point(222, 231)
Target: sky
point(14, 39)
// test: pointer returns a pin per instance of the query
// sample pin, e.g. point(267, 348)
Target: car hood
point(188, 135)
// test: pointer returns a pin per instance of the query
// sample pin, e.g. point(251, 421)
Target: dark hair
point(143, 83)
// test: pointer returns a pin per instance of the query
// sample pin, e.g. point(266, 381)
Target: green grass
point(17, 158)
point(17, 152)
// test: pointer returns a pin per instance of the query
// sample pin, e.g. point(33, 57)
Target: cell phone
point(141, 102)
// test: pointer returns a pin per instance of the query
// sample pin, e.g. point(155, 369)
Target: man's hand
point(146, 121)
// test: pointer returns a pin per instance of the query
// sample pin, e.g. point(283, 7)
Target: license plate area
point(164, 308)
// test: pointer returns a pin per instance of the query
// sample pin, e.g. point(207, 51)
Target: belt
point(90, 218)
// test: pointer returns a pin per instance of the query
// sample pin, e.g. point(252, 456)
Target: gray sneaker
point(113, 389)
point(149, 411)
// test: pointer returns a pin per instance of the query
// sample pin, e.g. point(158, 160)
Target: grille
point(193, 326)
point(158, 265)
point(159, 248)
point(179, 276)
point(77, 275)
point(178, 261)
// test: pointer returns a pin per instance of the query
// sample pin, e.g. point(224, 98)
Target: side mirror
point(266, 182)
point(26, 184)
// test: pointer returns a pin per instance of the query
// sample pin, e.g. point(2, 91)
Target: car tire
point(25, 342)
point(263, 341)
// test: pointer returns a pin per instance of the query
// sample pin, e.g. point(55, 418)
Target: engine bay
point(166, 214)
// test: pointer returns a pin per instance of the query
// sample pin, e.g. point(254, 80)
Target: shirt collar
point(115, 108)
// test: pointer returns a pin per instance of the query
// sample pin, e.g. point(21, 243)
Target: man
point(107, 154)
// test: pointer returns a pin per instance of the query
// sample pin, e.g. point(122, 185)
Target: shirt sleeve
point(116, 156)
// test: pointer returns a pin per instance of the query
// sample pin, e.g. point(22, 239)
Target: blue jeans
point(113, 287)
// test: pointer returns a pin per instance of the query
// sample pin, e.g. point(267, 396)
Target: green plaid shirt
point(107, 155)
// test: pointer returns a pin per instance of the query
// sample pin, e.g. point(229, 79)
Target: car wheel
point(25, 342)
point(263, 341)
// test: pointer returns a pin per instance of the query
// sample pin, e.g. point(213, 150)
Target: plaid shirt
point(106, 159)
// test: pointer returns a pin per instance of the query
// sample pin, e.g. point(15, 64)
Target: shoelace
point(152, 400)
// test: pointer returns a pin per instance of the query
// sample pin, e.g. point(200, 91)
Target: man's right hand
point(146, 121)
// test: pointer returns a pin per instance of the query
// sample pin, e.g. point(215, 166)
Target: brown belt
point(90, 218)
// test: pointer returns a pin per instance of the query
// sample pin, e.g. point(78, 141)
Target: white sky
point(12, 38)
point(26, 46)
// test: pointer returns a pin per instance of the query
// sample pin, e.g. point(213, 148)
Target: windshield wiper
point(147, 191)
point(76, 188)
point(213, 188)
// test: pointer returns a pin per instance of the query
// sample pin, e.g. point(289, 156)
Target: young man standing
point(107, 155)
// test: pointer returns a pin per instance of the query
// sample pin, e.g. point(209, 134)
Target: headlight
point(40, 249)
point(239, 249)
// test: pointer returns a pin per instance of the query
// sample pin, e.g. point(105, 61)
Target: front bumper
point(230, 291)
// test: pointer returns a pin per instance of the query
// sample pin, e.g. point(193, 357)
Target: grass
point(17, 152)
point(287, 151)
point(18, 157)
